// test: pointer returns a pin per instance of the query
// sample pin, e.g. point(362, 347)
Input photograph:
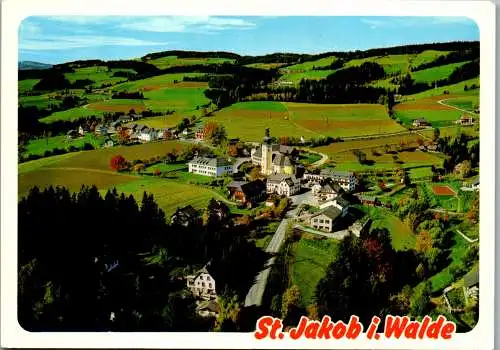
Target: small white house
point(281, 184)
point(147, 135)
point(325, 220)
point(210, 166)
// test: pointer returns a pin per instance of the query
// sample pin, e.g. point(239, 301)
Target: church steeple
point(267, 138)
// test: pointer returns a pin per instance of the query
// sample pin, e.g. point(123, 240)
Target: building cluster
point(136, 132)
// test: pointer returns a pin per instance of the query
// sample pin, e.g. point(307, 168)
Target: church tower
point(267, 155)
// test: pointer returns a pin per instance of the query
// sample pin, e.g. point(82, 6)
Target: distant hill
point(23, 65)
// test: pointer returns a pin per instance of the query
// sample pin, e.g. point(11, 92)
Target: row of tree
point(118, 268)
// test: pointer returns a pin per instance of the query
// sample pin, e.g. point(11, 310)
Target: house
point(282, 164)
point(367, 200)
point(465, 120)
point(125, 118)
point(471, 284)
point(346, 179)
point(359, 227)
point(82, 130)
point(247, 193)
point(471, 186)
point(71, 134)
point(280, 184)
point(101, 130)
point(199, 134)
point(185, 216)
point(210, 166)
point(329, 190)
point(147, 134)
point(326, 219)
point(340, 202)
point(202, 284)
point(432, 148)
point(208, 308)
point(108, 143)
point(420, 123)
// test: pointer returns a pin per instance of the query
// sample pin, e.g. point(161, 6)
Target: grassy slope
point(312, 257)
point(174, 61)
point(435, 73)
point(39, 146)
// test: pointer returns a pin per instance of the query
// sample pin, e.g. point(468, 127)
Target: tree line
point(89, 262)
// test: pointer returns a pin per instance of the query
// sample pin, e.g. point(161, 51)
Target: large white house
point(210, 166)
point(346, 179)
point(281, 184)
point(202, 284)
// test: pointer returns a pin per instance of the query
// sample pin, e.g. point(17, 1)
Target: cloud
point(73, 42)
point(29, 29)
point(180, 24)
point(407, 22)
point(81, 19)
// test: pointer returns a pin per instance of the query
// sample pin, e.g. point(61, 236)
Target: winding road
point(441, 102)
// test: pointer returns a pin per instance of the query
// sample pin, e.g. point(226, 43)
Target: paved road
point(256, 292)
point(320, 162)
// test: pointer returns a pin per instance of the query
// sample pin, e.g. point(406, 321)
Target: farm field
point(39, 146)
point(429, 109)
point(99, 74)
point(312, 257)
point(188, 99)
point(426, 57)
point(40, 101)
point(265, 65)
point(454, 89)
point(155, 83)
point(26, 84)
point(406, 160)
point(72, 114)
point(391, 63)
point(310, 65)
point(174, 61)
point(375, 143)
point(168, 194)
point(160, 122)
point(342, 119)
point(117, 105)
point(465, 102)
point(402, 237)
point(435, 73)
point(296, 77)
point(443, 190)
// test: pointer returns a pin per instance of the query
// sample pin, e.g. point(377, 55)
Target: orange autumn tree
point(424, 242)
point(118, 163)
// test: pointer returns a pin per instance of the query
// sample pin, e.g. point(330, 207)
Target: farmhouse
point(202, 284)
point(420, 123)
point(273, 158)
point(210, 166)
point(208, 308)
point(280, 184)
point(471, 284)
point(326, 219)
point(471, 186)
point(147, 134)
point(199, 134)
point(125, 118)
point(247, 193)
point(465, 120)
point(328, 190)
point(339, 202)
point(101, 130)
point(186, 216)
point(82, 130)
point(346, 179)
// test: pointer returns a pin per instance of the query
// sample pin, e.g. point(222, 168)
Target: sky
point(58, 39)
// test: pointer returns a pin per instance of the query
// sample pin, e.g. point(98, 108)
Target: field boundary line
point(441, 102)
point(290, 118)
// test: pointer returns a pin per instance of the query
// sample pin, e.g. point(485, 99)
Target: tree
point(118, 163)
point(465, 169)
point(471, 256)
point(290, 302)
point(436, 134)
point(424, 242)
point(421, 300)
point(123, 136)
point(215, 133)
point(229, 314)
point(401, 302)
point(255, 173)
point(156, 172)
point(473, 213)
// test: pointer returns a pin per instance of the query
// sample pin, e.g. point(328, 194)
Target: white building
point(210, 166)
point(346, 179)
point(280, 184)
point(325, 220)
point(147, 135)
point(202, 284)
point(339, 203)
point(273, 158)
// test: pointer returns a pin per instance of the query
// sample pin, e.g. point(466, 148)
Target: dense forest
point(94, 263)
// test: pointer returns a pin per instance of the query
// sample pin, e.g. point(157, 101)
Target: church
point(273, 158)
